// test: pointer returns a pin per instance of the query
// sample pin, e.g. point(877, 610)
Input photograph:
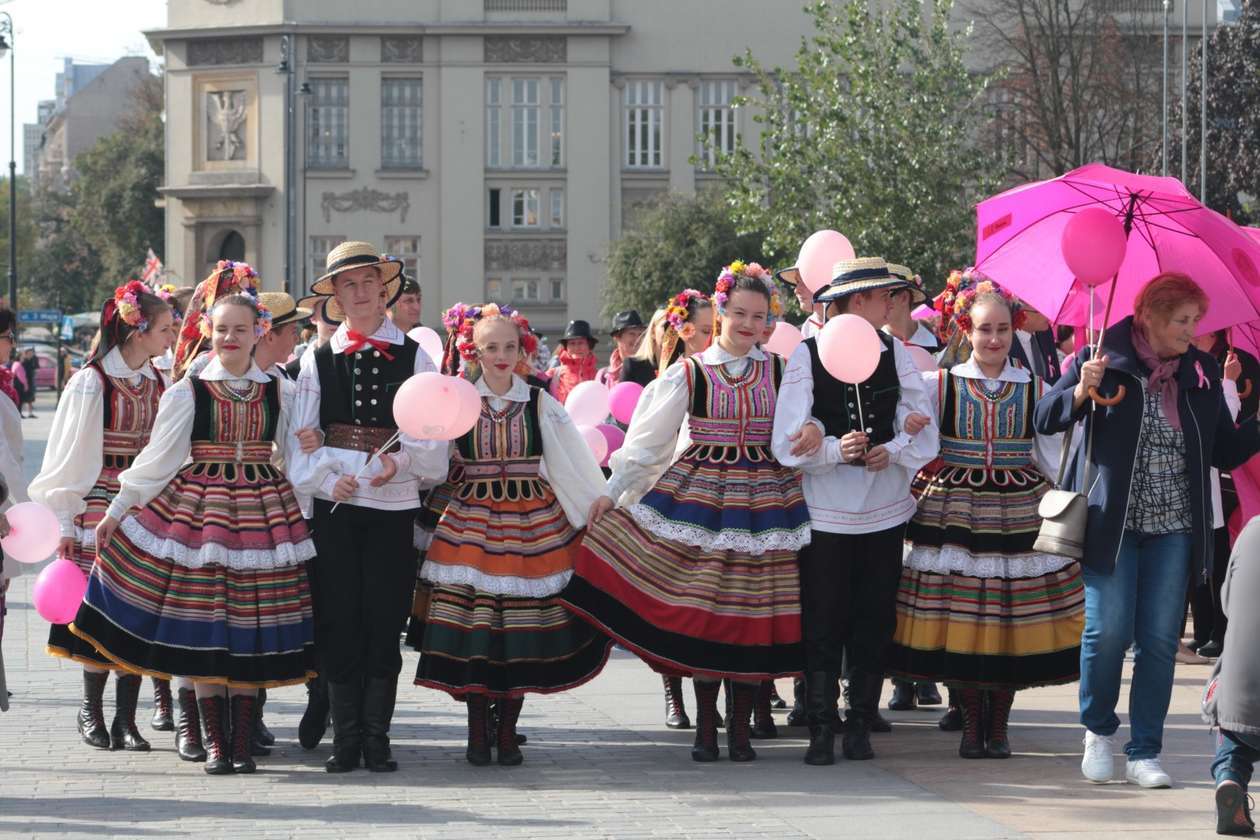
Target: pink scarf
point(1163, 378)
point(571, 373)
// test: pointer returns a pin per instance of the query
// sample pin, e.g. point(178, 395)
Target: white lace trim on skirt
point(543, 587)
point(740, 542)
point(953, 560)
point(213, 554)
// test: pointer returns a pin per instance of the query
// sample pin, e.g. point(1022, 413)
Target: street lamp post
point(287, 69)
point(6, 45)
point(1163, 146)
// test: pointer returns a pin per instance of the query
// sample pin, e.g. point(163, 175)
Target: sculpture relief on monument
point(366, 199)
point(328, 49)
point(226, 113)
point(517, 254)
point(222, 51)
point(402, 49)
point(542, 49)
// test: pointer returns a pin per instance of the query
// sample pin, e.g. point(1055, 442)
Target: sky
point(48, 31)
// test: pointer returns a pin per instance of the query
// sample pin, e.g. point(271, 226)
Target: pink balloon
point(587, 404)
point(58, 591)
point(1093, 245)
point(614, 437)
point(923, 360)
point(596, 441)
point(430, 342)
point(33, 533)
point(623, 399)
point(784, 340)
point(819, 255)
point(849, 348)
point(430, 406)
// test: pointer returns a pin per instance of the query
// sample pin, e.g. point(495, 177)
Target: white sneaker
point(1146, 772)
point(1099, 763)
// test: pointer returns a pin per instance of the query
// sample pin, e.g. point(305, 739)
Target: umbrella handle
point(1245, 391)
point(1107, 401)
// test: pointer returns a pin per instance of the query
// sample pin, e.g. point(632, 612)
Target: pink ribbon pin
point(1203, 380)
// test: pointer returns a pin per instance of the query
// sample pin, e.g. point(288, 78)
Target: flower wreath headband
point(460, 320)
point(963, 289)
point(126, 304)
point(676, 312)
point(726, 283)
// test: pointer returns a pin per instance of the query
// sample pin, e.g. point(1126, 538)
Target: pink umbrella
point(1019, 233)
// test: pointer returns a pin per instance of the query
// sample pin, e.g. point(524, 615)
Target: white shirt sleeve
point(169, 446)
point(913, 452)
point(75, 453)
point(653, 434)
point(568, 464)
point(792, 410)
point(308, 471)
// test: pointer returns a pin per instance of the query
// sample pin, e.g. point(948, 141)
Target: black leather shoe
point(91, 718)
point(213, 721)
point(123, 734)
point(952, 720)
point(262, 735)
point(188, 727)
point(378, 711)
point(864, 691)
point(739, 722)
point(1233, 811)
point(675, 708)
point(1212, 650)
point(903, 697)
point(315, 719)
point(346, 702)
point(971, 702)
point(796, 715)
point(763, 718)
point(510, 754)
point(927, 694)
point(163, 721)
point(879, 723)
point(820, 703)
point(705, 748)
point(478, 751)
point(243, 706)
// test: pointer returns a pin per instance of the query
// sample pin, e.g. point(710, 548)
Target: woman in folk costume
point(699, 578)
point(103, 421)
point(207, 578)
point(575, 360)
point(978, 606)
point(12, 479)
point(505, 545)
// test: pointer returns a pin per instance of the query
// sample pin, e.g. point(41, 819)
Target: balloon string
point(394, 438)
point(857, 390)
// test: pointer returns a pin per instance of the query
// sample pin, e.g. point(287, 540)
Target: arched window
point(232, 247)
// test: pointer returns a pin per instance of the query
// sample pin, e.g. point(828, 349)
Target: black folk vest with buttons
point(836, 404)
point(358, 388)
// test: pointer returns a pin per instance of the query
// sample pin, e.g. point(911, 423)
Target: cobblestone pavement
point(599, 763)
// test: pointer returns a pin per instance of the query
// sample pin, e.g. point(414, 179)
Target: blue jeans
point(1236, 755)
point(1141, 603)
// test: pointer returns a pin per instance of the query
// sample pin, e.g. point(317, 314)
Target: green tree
point(1233, 127)
point(677, 243)
point(116, 189)
point(872, 133)
point(26, 234)
point(65, 272)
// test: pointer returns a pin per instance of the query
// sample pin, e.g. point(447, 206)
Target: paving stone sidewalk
point(599, 763)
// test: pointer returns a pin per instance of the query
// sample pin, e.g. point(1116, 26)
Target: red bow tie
point(356, 341)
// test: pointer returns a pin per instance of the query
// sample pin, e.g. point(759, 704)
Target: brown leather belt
point(359, 438)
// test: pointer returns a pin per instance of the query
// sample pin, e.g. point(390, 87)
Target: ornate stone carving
point(226, 114)
point(519, 254)
point(402, 49)
point(328, 49)
point(542, 49)
point(216, 51)
point(366, 199)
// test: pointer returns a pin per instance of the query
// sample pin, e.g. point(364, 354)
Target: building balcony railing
point(526, 6)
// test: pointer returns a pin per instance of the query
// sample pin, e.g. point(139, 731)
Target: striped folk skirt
point(492, 622)
point(977, 605)
point(208, 581)
point(61, 642)
point(701, 577)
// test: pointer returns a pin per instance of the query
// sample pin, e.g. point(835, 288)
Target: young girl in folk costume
point(978, 606)
point(103, 421)
point(207, 579)
point(699, 578)
point(505, 545)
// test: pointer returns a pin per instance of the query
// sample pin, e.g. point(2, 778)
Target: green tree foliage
point(680, 242)
point(872, 133)
point(65, 272)
point(1233, 128)
point(25, 233)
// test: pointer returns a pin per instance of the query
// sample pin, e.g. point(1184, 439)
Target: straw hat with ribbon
point(283, 309)
point(351, 255)
point(863, 274)
point(914, 282)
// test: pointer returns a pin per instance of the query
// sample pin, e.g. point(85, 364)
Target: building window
point(320, 246)
point(645, 117)
point(494, 105)
point(402, 119)
point(407, 249)
point(717, 119)
point(557, 290)
point(526, 290)
point(525, 208)
point(525, 122)
point(556, 219)
point(328, 143)
point(494, 290)
point(496, 216)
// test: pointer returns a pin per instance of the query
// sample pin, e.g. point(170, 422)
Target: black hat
point(579, 329)
point(626, 320)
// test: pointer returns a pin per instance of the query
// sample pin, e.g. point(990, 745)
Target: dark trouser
point(849, 599)
point(365, 572)
point(1236, 756)
point(1205, 595)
